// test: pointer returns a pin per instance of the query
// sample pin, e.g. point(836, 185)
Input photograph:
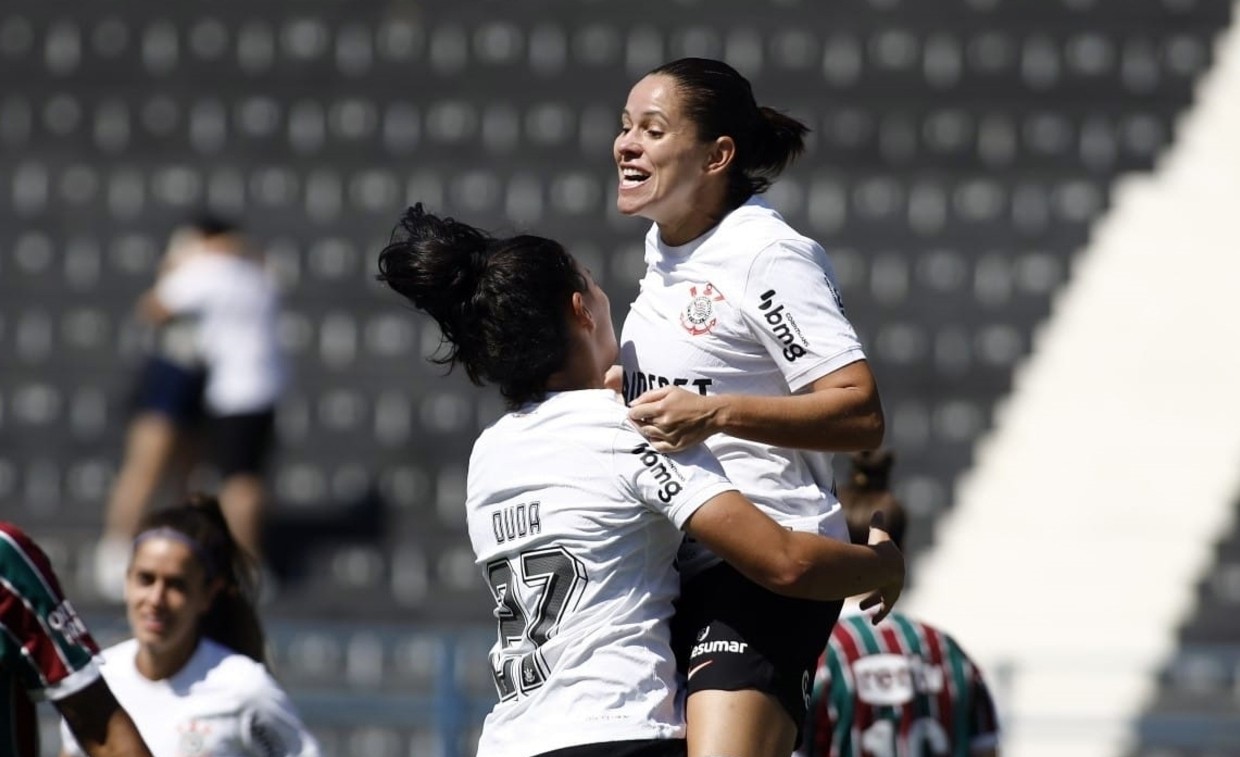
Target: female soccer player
point(573, 517)
point(193, 676)
point(738, 339)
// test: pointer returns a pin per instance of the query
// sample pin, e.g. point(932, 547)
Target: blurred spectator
point(161, 445)
point(901, 686)
point(217, 310)
point(47, 650)
point(194, 674)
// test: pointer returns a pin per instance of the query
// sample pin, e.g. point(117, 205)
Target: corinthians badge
point(698, 317)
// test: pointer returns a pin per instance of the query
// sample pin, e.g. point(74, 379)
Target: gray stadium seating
point(960, 151)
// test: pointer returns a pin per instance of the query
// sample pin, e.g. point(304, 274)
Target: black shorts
point(241, 443)
point(171, 390)
point(731, 634)
point(643, 748)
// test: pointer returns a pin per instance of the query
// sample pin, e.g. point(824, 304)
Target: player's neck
point(566, 381)
point(158, 665)
point(581, 369)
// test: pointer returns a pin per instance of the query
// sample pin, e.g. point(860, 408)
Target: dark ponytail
point(501, 303)
point(231, 620)
point(869, 490)
point(871, 470)
point(720, 102)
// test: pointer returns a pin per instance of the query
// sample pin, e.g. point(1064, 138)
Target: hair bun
point(434, 262)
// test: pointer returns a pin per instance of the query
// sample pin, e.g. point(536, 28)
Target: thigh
point(730, 634)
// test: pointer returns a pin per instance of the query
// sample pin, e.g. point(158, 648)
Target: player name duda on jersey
point(516, 522)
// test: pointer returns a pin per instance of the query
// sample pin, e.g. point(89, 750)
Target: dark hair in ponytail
point(231, 620)
point(721, 103)
point(869, 490)
point(501, 303)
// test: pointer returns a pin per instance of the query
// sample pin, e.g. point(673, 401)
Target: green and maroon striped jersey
point(899, 688)
point(45, 649)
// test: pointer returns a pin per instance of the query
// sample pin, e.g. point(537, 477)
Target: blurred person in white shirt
point(217, 309)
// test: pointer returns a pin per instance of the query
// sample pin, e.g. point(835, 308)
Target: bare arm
point(842, 412)
point(100, 725)
point(795, 563)
point(151, 310)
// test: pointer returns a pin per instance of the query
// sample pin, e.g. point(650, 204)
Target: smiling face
point(664, 169)
point(166, 593)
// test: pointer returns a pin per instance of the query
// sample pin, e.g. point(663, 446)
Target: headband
point(167, 532)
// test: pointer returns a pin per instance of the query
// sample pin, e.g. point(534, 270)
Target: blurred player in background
point(738, 339)
point(901, 687)
point(194, 676)
point(573, 517)
point(215, 282)
point(161, 442)
point(47, 653)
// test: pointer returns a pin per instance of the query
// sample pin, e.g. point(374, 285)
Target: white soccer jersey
point(221, 704)
point(236, 306)
point(751, 307)
point(575, 522)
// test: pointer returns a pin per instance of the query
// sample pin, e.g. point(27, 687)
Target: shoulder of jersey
point(583, 408)
point(600, 408)
point(763, 227)
point(119, 650)
point(239, 671)
point(118, 659)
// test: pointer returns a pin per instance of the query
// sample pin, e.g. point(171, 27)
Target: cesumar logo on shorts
point(783, 326)
point(698, 317)
point(719, 645)
point(661, 468)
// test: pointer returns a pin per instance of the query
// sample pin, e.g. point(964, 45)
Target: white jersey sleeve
point(792, 306)
point(182, 289)
point(676, 484)
point(270, 726)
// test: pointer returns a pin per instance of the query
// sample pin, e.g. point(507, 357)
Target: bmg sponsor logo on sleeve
point(663, 470)
point(783, 326)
